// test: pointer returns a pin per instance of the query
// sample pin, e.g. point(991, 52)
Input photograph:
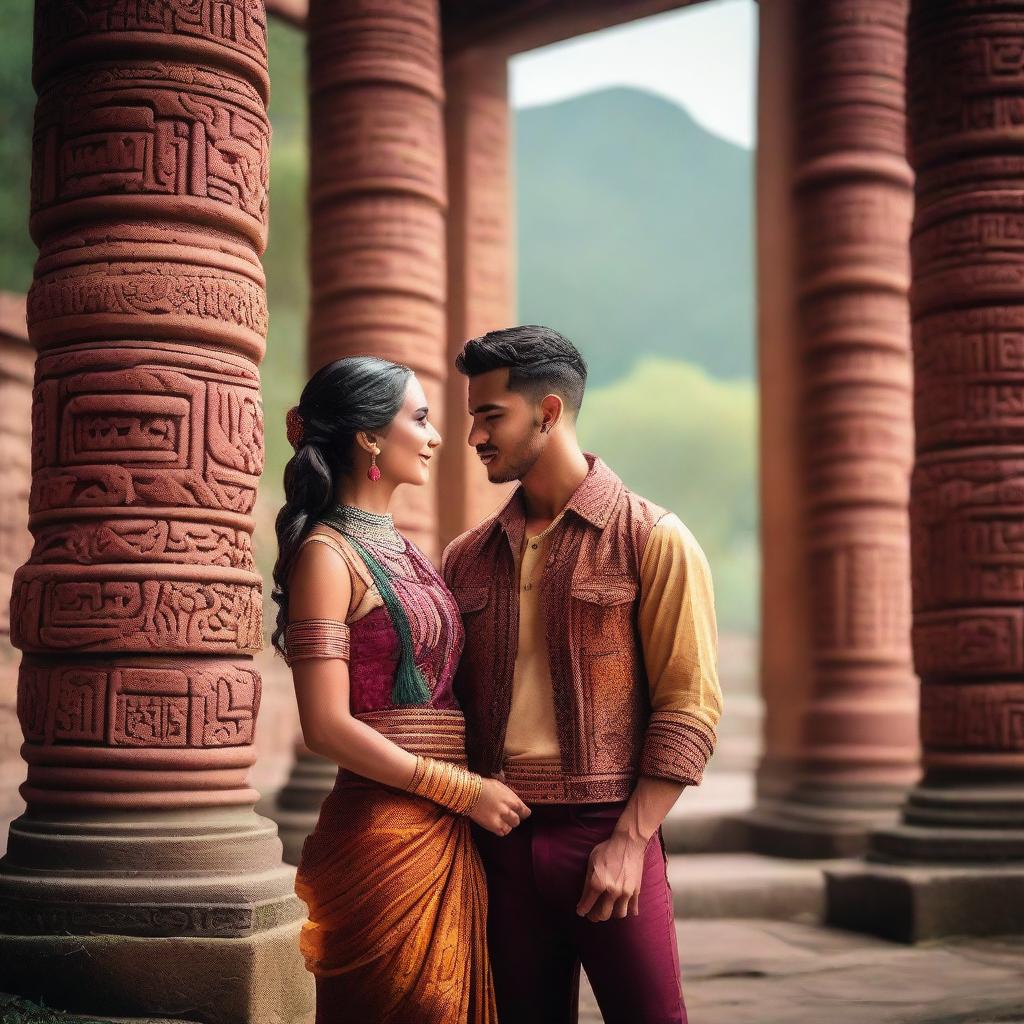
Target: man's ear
point(551, 409)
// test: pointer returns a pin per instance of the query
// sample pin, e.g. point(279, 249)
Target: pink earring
point(373, 472)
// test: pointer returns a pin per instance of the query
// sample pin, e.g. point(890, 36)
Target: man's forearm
point(648, 807)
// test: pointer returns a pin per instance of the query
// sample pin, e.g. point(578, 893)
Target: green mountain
point(635, 233)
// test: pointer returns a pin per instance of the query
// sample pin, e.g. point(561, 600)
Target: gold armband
point(316, 638)
point(446, 784)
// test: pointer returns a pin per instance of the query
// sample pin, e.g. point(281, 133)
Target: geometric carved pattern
point(238, 27)
point(964, 82)
point(148, 283)
point(68, 608)
point(982, 717)
point(852, 195)
point(377, 199)
point(145, 540)
point(214, 705)
point(120, 919)
point(975, 643)
point(142, 130)
point(170, 429)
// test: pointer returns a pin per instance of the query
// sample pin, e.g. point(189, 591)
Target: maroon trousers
point(537, 941)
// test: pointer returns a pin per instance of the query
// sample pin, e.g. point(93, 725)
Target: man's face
point(506, 427)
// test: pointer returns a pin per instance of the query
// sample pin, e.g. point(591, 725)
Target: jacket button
point(534, 546)
point(529, 586)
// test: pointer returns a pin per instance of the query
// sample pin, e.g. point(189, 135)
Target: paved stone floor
point(780, 972)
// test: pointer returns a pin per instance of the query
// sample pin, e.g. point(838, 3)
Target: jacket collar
point(593, 500)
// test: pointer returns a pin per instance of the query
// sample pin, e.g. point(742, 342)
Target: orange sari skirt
point(397, 901)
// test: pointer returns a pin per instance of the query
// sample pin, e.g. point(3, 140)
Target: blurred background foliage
point(635, 239)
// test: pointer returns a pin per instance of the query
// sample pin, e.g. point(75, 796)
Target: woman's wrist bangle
point(446, 784)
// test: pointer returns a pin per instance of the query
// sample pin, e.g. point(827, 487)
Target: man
point(589, 685)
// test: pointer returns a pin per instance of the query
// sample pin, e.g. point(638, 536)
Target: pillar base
point(296, 806)
point(953, 866)
point(821, 822)
point(917, 844)
point(186, 913)
point(259, 979)
point(915, 903)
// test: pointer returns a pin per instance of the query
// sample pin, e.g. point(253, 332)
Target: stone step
point(728, 885)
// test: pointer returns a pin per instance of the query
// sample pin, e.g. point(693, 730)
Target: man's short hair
point(540, 362)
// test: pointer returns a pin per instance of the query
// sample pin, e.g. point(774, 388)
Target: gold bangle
point(446, 784)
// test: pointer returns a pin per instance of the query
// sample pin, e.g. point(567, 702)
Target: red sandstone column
point(377, 201)
point(785, 656)
point(857, 749)
point(967, 512)
point(16, 360)
point(140, 871)
point(955, 865)
point(377, 198)
point(481, 263)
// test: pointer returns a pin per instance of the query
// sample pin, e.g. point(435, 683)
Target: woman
point(394, 886)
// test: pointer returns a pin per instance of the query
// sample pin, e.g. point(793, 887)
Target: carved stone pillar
point(481, 263)
point(967, 498)
point(16, 359)
point(857, 748)
point(139, 871)
point(377, 201)
point(377, 196)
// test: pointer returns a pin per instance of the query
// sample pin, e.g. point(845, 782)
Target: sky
point(702, 57)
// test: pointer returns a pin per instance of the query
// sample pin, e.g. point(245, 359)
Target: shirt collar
point(592, 500)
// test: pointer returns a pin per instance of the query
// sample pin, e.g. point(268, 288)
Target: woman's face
point(409, 444)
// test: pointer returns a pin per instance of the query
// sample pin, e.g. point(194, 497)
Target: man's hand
point(614, 874)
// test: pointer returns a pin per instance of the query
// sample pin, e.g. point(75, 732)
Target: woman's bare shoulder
point(320, 587)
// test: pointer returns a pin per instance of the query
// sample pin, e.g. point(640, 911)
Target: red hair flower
point(294, 424)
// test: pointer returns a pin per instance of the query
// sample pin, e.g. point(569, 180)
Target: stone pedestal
point(856, 750)
point(139, 881)
point(962, 829)
point(16, 361)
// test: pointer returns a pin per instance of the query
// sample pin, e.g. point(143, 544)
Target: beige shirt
point(678, 635)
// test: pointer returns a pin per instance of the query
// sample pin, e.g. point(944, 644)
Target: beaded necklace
point(356, 525)
point(376, 527)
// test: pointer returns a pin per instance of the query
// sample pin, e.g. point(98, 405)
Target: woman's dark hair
point(540, 361)
point(340, 399)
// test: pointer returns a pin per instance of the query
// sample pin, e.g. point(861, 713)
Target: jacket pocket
point(471, 598)
point(603, 589)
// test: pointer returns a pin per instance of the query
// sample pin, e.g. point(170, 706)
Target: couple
point(510, 733)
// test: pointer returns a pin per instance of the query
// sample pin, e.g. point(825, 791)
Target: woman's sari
point(395, 889)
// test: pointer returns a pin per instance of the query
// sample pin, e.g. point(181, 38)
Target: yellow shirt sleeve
point(679, 637)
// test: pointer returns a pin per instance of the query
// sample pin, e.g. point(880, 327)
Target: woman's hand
point(498, 809)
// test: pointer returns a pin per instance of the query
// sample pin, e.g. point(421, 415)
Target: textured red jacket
point(589, 585)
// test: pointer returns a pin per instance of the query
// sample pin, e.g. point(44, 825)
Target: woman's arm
point(321, 587)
